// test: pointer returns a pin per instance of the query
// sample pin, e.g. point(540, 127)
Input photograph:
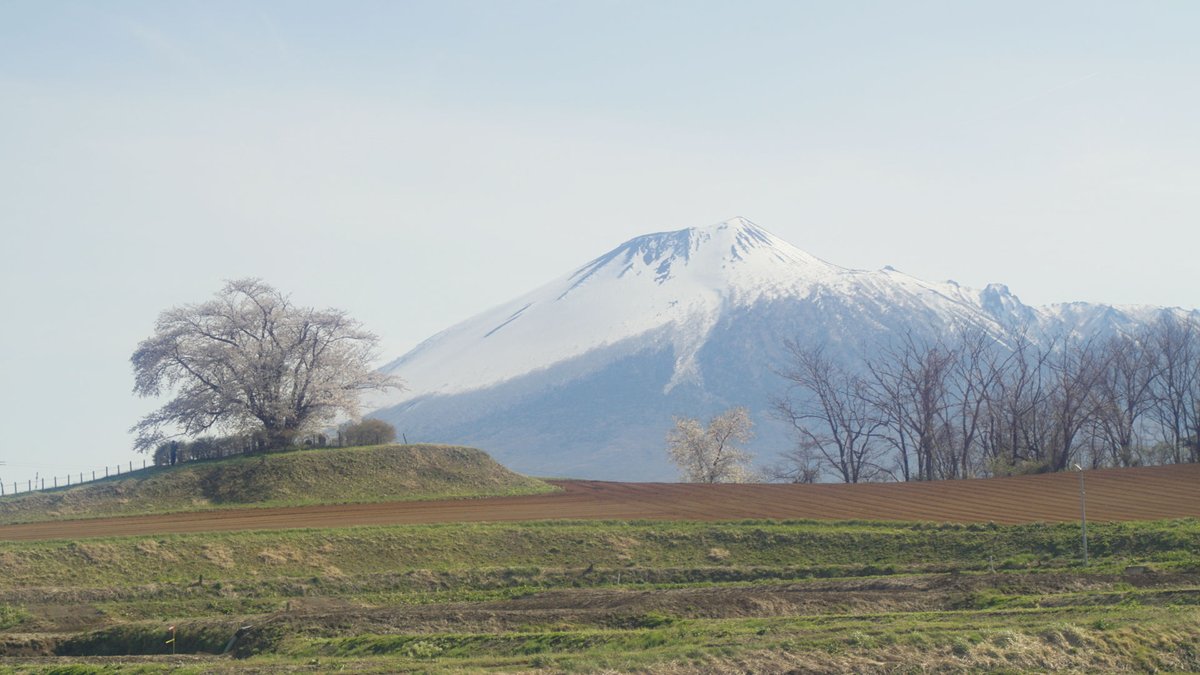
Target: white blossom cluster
point(251, 361)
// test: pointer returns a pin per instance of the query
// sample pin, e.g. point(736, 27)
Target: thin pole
point(1083, 513)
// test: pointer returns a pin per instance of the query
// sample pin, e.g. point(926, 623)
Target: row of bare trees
point(977, 405)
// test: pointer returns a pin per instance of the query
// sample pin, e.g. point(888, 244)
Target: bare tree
point(974, 373)
point(1074, 370)
point(709, 454)
point(982, 403)
point(1123, 394)
point(251, 361)
point(1015, 411)
point(834, 421)
point(909, 387)
point(1176, 389)
point(797, 465)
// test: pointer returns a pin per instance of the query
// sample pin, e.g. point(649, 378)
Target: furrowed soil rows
point(1146, 493)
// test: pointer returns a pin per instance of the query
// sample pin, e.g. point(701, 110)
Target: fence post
point(106, 471)
point(56, 481)
point(93, 474)
point(43, 483)
point(28, 485)
point(143, 463)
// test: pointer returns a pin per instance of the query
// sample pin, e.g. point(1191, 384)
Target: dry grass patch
point(217, 555)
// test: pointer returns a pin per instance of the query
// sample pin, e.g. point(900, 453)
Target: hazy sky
point(418, 162)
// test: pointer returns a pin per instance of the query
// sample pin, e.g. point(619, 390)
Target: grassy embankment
point(297, 478)
point(592, 596)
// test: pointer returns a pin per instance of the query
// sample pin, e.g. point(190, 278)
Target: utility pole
point(1083, 512)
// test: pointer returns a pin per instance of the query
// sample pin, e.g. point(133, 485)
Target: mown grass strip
point(527, 549)
point(961, 631)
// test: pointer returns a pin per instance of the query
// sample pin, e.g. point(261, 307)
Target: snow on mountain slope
point(682, 279)
point(582, 376)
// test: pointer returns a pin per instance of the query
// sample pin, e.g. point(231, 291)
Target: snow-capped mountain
point(582, 376)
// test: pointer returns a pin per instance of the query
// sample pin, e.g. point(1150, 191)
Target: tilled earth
point(1144, 493)
point(585, 604)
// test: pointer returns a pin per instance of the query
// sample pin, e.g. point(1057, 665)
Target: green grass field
point(605, 596)
point(296, 478)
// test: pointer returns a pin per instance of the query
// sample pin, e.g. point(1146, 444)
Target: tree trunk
point(277, 437)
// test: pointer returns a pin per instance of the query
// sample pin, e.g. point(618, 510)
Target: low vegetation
point(575, 596)
point(318, 476)
point(597, 596)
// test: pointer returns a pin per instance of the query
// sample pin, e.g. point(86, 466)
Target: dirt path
point(1112, 494)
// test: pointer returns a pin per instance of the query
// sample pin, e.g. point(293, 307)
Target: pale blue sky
point(417, 162)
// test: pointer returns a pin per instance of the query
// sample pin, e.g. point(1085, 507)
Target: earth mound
point(301, 477)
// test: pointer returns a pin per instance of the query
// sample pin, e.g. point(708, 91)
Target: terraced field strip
point(1146, 493)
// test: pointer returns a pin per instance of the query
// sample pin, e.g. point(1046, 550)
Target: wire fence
point(39, 483)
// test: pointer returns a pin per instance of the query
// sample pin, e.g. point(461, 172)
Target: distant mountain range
point(582, 376)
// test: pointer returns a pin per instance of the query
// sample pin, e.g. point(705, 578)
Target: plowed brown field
point(1148, 493)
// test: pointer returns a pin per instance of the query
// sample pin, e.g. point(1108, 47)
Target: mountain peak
point(739, 234)
point(682, 322)
point(739, 221)
point(678, 283)
point(735, 225)
point(734, 248)
point(738, 231)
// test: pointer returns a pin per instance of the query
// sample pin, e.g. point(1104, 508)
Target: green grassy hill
point(321, 476)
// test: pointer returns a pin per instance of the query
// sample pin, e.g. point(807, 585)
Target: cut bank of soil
point(1145, 493)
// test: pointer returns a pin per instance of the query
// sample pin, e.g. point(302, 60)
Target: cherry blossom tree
point(709, 454)
point(250, 360)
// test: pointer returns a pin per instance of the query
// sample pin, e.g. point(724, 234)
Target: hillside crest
point(300, 477)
